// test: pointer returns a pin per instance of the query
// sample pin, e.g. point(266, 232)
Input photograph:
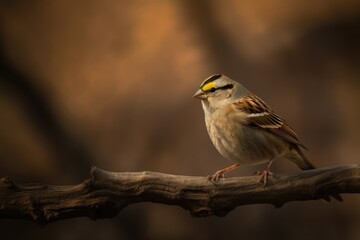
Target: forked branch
point(105, 193)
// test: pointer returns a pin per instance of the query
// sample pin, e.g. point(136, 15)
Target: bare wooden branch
point(105, 193)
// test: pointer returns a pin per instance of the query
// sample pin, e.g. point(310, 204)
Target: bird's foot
point(216, 176)
point(264, 176)
point(220, 174)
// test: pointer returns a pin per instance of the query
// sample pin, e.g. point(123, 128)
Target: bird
point(245, 130)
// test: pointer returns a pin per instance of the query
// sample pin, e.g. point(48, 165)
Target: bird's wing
point(260, 115)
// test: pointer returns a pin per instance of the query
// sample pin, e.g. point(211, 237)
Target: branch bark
point(105, 193)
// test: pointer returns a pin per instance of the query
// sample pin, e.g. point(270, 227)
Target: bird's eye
point(213, 89)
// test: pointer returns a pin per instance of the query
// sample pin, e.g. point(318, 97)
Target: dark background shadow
point(109, 83)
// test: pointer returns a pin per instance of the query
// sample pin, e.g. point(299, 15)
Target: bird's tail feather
point(301, 161)
point(305, 164)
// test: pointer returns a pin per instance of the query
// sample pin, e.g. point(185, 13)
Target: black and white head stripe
point(211, 79)
point(214, 83)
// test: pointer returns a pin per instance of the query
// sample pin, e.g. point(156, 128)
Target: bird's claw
point(216, 176)
point(264, 176)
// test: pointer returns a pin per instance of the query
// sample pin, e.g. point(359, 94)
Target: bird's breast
point(237, 141)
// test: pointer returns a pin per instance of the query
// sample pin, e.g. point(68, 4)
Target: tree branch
point(105, 193)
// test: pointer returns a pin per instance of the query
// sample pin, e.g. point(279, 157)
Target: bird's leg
point(220, 174)
point(264, 174)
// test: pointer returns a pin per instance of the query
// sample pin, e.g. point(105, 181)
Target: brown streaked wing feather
point(286, 133)
point(263, 117)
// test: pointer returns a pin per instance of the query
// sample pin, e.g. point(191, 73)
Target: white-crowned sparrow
point(244, 129)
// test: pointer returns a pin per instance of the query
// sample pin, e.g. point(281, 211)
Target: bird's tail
point(302, 162)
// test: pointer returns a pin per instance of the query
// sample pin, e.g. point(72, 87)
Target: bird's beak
point(200, 95)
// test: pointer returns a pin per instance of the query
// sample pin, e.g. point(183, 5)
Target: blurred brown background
point(110, 83)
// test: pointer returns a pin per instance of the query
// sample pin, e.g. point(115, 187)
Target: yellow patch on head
point(208, 86)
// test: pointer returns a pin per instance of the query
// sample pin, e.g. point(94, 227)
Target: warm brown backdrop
point(109, 83)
